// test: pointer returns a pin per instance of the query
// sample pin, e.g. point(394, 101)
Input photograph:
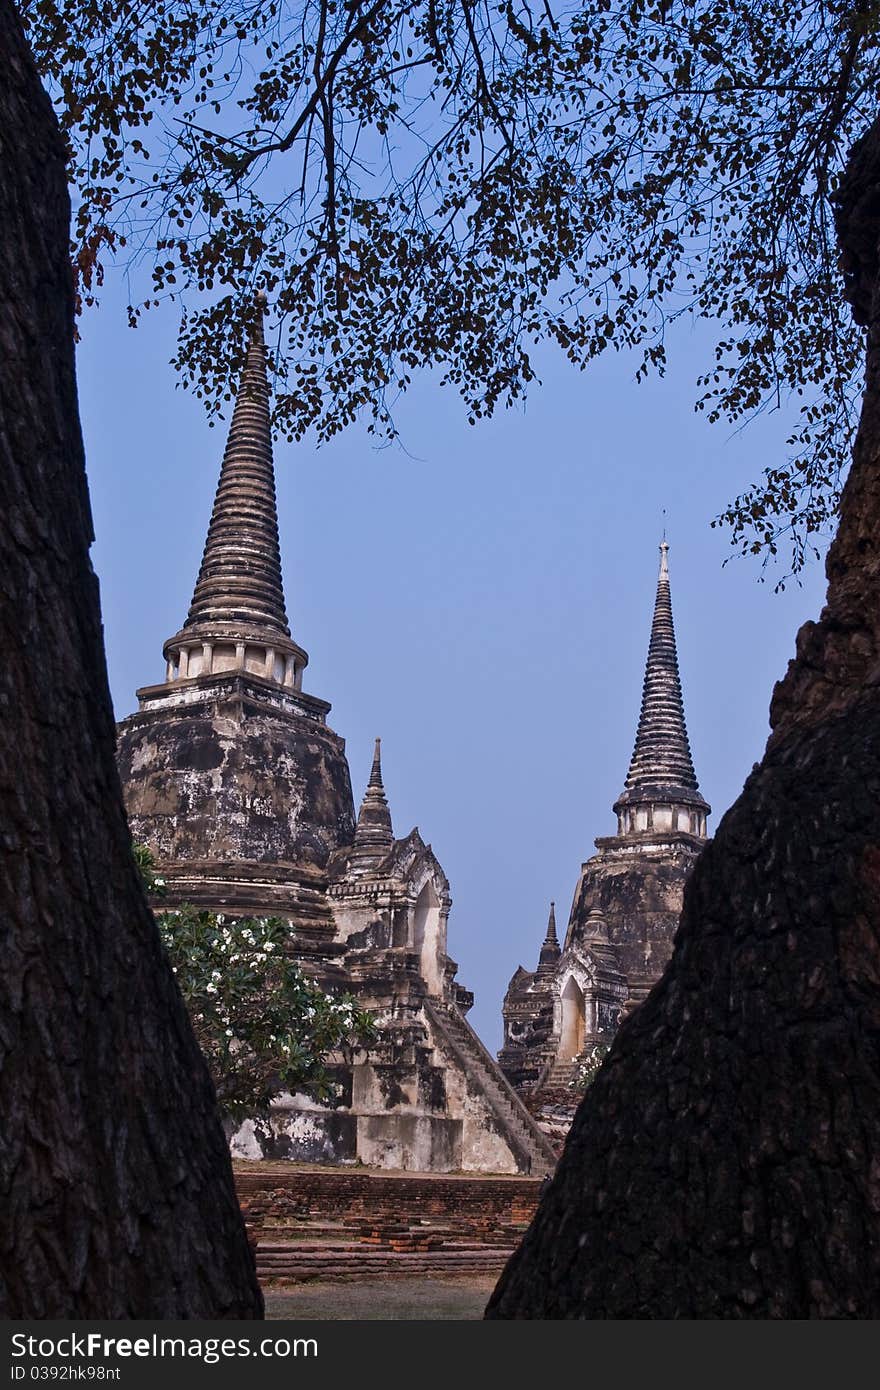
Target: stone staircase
point(530, 1145)
point(557, 1075)
point(300, 1263)
point(381, 1247)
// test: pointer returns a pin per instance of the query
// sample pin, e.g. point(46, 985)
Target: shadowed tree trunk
point(116, 1194)
point(726, 1162)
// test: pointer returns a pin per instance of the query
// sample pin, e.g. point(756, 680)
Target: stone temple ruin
point(234, 779)
point(626, 905)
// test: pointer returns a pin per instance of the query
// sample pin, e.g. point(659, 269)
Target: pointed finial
point(256, 334)
point(664, 555)
point(373, 836)
point(550, 952)
point(376, 770)
point(551, 923)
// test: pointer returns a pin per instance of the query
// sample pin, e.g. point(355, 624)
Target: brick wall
point(282, 1192)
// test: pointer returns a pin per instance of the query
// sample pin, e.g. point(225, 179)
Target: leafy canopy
point(447, 182)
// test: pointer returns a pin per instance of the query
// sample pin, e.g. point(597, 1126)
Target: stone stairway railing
point(530, 1145)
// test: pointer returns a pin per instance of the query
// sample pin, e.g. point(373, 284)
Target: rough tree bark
point(726, 1162)
point(116, 1194)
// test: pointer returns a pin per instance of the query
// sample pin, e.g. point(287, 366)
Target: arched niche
point(574, 1023)
point(426, 936)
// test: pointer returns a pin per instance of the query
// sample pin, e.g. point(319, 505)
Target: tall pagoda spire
point(662, 755)
point(550, 951)
point(240, 576)
point(373, 835)
point(661, 777)
point(237, 616)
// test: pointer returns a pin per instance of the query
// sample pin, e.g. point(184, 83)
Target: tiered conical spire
point(240, 577)
point(550, 951)
point(373, 836)
point(662, 754)
point(661, 792)
point(237, 619)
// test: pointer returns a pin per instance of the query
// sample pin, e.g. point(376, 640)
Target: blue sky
point(481, 598)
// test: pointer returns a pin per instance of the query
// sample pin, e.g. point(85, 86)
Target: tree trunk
point(116, 1193)
point(726, 1162)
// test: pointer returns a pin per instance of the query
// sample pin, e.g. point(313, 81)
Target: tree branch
point(322, 83)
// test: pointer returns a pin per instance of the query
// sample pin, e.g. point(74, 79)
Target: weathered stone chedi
point(628, 897)
point(231, 773)
point(636, 881)
point(234, 779)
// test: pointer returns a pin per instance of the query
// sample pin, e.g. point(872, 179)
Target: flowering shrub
point(146, 864)
point(588, 1066)
point(261, 1023)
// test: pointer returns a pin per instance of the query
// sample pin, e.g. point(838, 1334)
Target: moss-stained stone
point(235, 778)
